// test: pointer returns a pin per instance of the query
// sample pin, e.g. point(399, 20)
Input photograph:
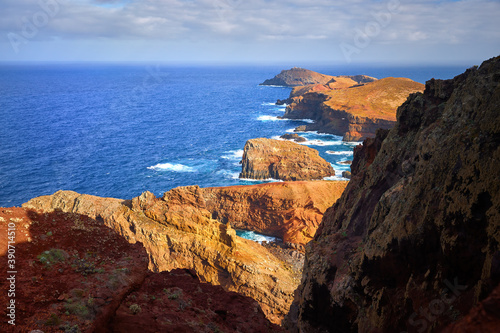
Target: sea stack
point(285, 160)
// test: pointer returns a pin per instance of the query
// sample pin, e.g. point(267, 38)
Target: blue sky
point(258, 31)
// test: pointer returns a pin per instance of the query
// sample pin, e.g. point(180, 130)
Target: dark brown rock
point(413, 243)
point(293, 137)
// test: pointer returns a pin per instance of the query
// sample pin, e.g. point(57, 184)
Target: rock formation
point(178, 233)
point(354, 112)
point(302, 77)
point(76, 275)
point(413, 243)
point(297, 77)
point(268, 158)
point(291, 211)
point(293, 137)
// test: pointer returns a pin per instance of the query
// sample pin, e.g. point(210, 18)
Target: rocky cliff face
point(296, 77)
point(178, 232)
point(291, 211)
point(76, 275)
point(413, 243)
point(354, 112)
point(268, 158)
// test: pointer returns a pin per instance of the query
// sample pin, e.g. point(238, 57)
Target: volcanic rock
point(354, 113)
point(177, 232)
point(297, 77)
point(74, 274)
point(346, 174)
point(291, 211)
point(413, 243)
point(268, 158)
point(293, 137)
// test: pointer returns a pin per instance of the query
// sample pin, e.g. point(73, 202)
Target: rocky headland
point(300, 77)
point(279, 159)
point(178, 233)
point(74, 274)
point(183, 230)
point(354, 112)
point(412, 245)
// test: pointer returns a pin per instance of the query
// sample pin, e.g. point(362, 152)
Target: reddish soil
point(74, 273)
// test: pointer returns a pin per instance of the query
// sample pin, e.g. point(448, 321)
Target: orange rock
point(354, 112)
point(278, 159)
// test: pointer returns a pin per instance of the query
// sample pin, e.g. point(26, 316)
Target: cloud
point(261, 21)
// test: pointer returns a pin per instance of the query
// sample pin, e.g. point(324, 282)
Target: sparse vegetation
point(135, 308)
point(52, 256)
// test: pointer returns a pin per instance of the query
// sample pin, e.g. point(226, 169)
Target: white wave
point(331, 152)
point(267, 103)
point(172, 167)
point(320, 143)
point(233, 154)
point(271, 180)
point(352, 143)
point(253, 236)
point(335, 177)
point(290, 130)
point(309, 121)
point(269, 118)
point(228, 174)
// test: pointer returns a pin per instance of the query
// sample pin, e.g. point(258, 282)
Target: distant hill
point(302, 77)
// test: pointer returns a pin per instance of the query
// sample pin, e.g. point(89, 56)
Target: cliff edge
point(413, 243)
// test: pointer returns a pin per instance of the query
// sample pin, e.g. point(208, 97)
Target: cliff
point(268, 158)
point(298, 77)
point(354, 112)
point(177, 232)
point(291, 211)
point(76, 275)
point(412, 244)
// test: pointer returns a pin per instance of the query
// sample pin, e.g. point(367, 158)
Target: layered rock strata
point(177, 232)
point(413, 243)
point(354, 113)
point(278, 159)
point(74, 274)
point(291, 211)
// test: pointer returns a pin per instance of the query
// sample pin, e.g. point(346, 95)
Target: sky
point(252, 31)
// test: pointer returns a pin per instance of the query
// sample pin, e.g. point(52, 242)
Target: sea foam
point(172, 167)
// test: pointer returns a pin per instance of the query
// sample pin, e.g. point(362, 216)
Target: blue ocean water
point(117, 130)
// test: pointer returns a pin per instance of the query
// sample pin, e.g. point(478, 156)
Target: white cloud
point(441, 23)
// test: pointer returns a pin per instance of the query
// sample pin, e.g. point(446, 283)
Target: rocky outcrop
point(74, 274)
point(291, 211)
point(268, 158)
point(354, 113)
point(297, 77)
point(413, 243)
point(177, 231)
point(293, 137)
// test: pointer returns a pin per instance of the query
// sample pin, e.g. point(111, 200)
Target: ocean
point(117, 130)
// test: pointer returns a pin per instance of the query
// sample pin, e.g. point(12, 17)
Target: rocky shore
point(353, 107)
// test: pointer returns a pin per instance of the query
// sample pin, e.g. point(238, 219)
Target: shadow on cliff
point(71, 273)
